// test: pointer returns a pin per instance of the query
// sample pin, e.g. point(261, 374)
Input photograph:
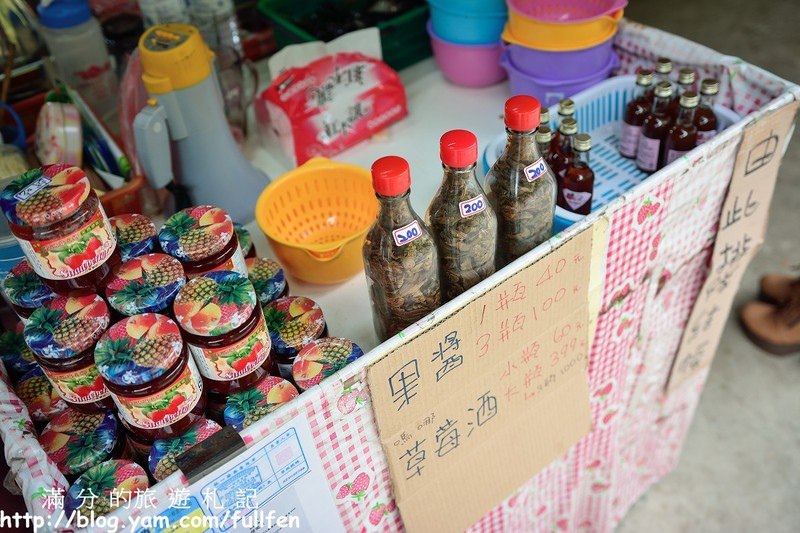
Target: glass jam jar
point(62, 335)
point(25, 290)
point(322, 358)
point(203, 239)
point(246, 407)
point(39, 396)
point(153, 381)
point(77, 441)
point(136, 235)
point(268, 278)
point(62, 228)
point(245, 240)
point(161, 461)
point(17, 356)
point(226, 333)
point(293, 322)
point(145, 284)
point(121, 478)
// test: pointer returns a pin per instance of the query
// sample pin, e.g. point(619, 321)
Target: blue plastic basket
point(599, 111)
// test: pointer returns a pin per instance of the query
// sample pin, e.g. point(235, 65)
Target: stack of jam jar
point(136, 343)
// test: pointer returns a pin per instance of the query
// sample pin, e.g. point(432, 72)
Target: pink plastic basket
point(566, 11)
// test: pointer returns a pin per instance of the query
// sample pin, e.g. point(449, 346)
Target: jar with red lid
point(136, 235)
point(226, 333)
point(62, 335)
point(293, 322)
point(153, 381)
point(62, 228)
point(145, 284)
point(25, 290)
point(203, 239)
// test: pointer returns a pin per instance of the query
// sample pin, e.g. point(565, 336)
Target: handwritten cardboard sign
point(483, 400)
point(742, 226)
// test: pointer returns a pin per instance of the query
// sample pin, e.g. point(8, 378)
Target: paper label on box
point(647, 153)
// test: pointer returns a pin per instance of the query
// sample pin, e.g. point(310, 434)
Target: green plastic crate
point(404, 38)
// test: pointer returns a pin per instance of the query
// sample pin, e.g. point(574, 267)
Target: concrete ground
point(740, 469)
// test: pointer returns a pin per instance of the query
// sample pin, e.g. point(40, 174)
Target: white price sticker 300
point(406, 234)
point(473, 206)
point(535, 170)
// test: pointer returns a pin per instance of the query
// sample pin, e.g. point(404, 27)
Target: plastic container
point(566, 65)
point(145, 284)
point(247, 407)
point(316, 225)
point(550, 91)
point(164, 12)
point(293, 322)
point(476, 65)
point(559, 37)
point(322, 358)
point(161, 460)
point(25, 290)
point(268, 279)
point(136, 235)
point(125, 479)
point(59, 135)
point(567, 11)
point(459, 25)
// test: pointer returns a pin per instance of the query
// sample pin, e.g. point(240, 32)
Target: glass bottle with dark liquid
point(682, 136)
point(544, 136)
point(663, 72)
point(561, 154)
point(704, 117)
point(578, 183)
point(685, 83)
point(544, 117)
point(566, 109)
point(654, 129)
point(635, 112)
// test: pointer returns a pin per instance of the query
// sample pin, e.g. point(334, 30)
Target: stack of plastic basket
point(465, 36)
point(557, 48)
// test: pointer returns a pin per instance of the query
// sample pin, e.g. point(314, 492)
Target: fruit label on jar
point(74, 255)
point(535, 170)
point(629, 140)
point(406, 234)
point(235, 263)
point(473, 206)
point(647, 153)
point(236, 360)
point(166, 406)
point(705, 136)
point(576, 199)
point(672, 155)
point(79, 386)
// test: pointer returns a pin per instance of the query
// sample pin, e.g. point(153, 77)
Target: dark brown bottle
point(566, 109)
point(544, 138)
point(686, 80)
point(663, 71)
point(578, 183)
point(654, 129)
point(635, 113)
point(561, 156)
point(704, 117)
point(682, 136)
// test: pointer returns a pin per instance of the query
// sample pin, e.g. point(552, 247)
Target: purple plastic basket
point(550, 91)
point(561, 65)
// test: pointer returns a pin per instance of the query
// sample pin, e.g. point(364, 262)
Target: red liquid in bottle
point(566, 109)
point(682, 136)
point(663, 71)
point(704, 117)
point(578, 182)
point(561, 158)
point(654, 129)
point(685, 83)
point(635, 113)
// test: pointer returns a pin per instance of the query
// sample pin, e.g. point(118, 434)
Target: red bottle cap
point(391, 176)
point(458, 148)
point(522, 113)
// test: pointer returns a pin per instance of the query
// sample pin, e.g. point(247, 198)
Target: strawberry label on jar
point(647, 153)
point(164, 407)
point(236, 360)
point(79, 386)
point(406, 234)
point(535, 170)
point(629, 141)
point(473, 206)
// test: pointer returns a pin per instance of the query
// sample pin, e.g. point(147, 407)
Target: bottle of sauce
point(566, 109)
point(544, 137)
point(682, 136)
point(663, 73)
point(461, 221)
point(544, 118)
point(400, 258)
point(634, 115)
point(654, 129)
point(704, 117)
point(561, 157)
point(686, 83)
point(578, 183)
point(521, 186)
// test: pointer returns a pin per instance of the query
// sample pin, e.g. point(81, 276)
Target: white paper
point(366, 41)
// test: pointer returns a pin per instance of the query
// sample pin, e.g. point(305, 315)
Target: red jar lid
point(249, 406)
point(196, 233)
point(24, 288)
point(77, 441)
point(138, 349)
point(293, 322)
point(391, 176)
point(145, 284)
point(322, 358)
point(43, 196)
point(458, 148)
point(67, 325)
point(522, 113)
point(215, 303)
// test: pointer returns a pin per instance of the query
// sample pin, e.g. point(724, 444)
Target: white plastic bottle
point(164, 12)
point(76, 43)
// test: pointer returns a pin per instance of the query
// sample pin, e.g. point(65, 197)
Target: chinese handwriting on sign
point(451, 361)
point(739, 212)
point(487, 409)
point(403, 383)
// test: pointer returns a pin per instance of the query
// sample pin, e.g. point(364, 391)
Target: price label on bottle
point(535, 170)
point(406, 234)
point(473, 206)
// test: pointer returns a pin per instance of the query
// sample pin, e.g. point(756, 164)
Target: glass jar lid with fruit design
point(215, 303)
point(322, 358)
point(161, 460)
point(245, 240)
point(136, 234)
point(293, 322)
point(268, 279)
point(120, 477)
point(77, 441)
point(16, 354)
point(39, 396)
point(145, 284)
point(67, 326)
point(25, 289)
point(246, 407)
point(44, 196)
point(138, 350)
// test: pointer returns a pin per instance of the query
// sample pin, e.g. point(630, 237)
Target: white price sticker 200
point(473, 206)
point(406, 234)
point(536, 169)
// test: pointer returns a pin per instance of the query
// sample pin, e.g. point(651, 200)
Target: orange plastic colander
point(316, 218)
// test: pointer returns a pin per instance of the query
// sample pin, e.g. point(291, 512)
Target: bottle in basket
point(566, 109)
point(686, 83)
point(682, 136)
point(400, 258)
point(663, 70)
point(704, 117)
point(521, 186)
point(561, 156)
point(635, 113)
point(462, 222)
point(578, 183)
point(654, 129)
point(544, 139)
